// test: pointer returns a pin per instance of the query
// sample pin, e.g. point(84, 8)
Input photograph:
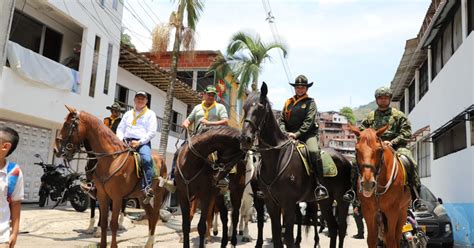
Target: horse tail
point(159, 161)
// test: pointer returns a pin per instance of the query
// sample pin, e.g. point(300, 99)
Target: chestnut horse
point(115, 176)
point(283, 177)
point(383, 192)
point(195, 177)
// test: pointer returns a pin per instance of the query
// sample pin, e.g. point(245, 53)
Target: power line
point(270, 18)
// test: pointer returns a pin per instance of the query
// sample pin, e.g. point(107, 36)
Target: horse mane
point(101, 129)
point(208, 132)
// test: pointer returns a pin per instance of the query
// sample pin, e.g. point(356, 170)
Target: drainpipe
point(464, 19)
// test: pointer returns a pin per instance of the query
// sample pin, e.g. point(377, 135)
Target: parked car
point(435, 221)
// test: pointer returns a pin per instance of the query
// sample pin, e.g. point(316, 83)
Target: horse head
point(256, 110)
point(369, 156)
point(71, 135)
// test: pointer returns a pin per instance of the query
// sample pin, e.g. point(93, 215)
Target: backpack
point(13, 171)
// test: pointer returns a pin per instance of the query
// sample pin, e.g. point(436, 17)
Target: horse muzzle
point(245, 142)
point(367, 188)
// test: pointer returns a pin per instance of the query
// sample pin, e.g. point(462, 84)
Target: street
point(63, 227)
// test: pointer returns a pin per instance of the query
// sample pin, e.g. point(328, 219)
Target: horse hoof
point(181, 240)
point(245, 239)
point(241, 232)
point(215, 233)
point(89, 231)
point(97, 233)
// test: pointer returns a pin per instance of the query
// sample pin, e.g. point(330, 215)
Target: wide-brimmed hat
point(115, 106)
point(210, 89)
point(301, 80)
point(141, 93)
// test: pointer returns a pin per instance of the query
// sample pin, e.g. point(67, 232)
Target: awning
point(457, 119)
point(144, 68)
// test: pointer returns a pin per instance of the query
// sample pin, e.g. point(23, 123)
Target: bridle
point(377, 169)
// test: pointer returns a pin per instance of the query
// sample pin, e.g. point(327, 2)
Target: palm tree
point(246, 55)
point(183, 38)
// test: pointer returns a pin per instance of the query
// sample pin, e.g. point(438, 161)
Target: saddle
point(138, 162)
point(407, 166)
point(329, 166)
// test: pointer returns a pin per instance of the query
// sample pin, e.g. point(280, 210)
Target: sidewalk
point(64, 227)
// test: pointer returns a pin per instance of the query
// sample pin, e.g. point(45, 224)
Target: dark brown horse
point(195, 177)
point(283, 177)
point(115, 176)
point(382, 188)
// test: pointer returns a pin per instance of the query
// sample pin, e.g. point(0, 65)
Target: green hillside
point(362, 111)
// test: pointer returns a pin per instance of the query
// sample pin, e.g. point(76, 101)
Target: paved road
point(63, 227)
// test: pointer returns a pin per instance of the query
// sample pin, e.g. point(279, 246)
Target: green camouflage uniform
point(302, 122)
point(398, 133)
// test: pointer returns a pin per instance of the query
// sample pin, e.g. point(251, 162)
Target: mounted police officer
point(397, 136)
point(208, 113)
point(298, 121)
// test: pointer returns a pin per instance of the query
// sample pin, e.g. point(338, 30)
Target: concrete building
point(434, 86)
point(35, 85)
point(334, 132)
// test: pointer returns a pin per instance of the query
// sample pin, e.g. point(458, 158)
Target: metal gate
point(32, 140)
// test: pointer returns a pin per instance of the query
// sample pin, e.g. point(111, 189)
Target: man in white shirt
point(11, 189)
point(137, 128)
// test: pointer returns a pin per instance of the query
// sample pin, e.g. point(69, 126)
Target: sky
point(348, 48)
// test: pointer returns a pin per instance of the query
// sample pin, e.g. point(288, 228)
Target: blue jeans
point(147, 163)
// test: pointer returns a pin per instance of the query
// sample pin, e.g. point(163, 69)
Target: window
point(186, 77)
point(115, 4)
point(470, 15)
point(107, 68)
point(203, 81)
point(423, 85)
point(453, 139)
point(457, 29)
point(95, 63)
point(36, 36)
point(423, 157)
point(437, 57)
point(447, 42)
point(411, 96)
point(402, 104)
point(176, 120)
point(125, 97)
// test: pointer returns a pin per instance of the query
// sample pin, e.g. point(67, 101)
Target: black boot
point(320, 192)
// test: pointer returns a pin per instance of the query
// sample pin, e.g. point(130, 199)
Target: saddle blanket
point(138, 162)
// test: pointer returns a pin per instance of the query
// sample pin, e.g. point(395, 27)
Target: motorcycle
point(61, 184)
point(412, 234)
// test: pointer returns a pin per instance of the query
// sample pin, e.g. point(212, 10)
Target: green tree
point(347, 112)
point(183, 38)
point(127, 40)
point(246, 55)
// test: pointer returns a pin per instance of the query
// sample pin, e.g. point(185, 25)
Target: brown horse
point(383, 192)
point(195, 177)
point(115, 175)
point(283, 177)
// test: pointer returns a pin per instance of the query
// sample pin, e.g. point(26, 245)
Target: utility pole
point(6, 15)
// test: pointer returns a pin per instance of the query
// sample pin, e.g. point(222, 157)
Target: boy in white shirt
point(11, 189)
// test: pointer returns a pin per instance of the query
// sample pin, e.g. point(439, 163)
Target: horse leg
point(122, 215)
point(186, 219)
point(116, 206)
point(215, 225)
point(372, 229)
point(104, 212)
point(327, 211)
point(343, 209)
point(93, 204)
point(289, 217)
point(153, 215)
point(220, 204)
point(299, 222)
point(275, 215)
point(205, 200)
point(312, 210)
point(401, 221)
point(210, 216)
point(236, 196)
point(260, 207)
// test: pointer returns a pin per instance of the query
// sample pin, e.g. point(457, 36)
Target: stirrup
point(323, 192)
point(89, 189)
point(349, 196)
point(148, 195)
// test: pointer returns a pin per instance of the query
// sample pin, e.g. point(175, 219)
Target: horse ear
point(71, 109)
point(263, 91)
point(354, 129)
point(381, 130)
